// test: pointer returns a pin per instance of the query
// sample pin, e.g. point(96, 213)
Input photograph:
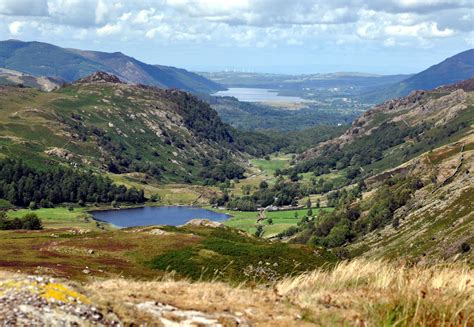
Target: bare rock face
point(100, 77)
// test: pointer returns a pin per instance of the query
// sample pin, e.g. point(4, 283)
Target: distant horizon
point(276, 70)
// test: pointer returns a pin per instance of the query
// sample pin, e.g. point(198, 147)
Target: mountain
point(43, 59)
point(454, 69)
point(13, 77)
point(409, 189)
point(103, 124)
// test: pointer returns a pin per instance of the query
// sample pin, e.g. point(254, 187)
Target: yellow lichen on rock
point(60, 292)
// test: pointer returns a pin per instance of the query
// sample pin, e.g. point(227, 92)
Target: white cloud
point(15, 27)
point(425, 29)
point(108, 29)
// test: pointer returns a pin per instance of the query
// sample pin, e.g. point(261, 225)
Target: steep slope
point(454, 69)
point(438, 219)
point(13, 77)
point(43, 59)
point(412, 194)
point(398, 130)
point(104, 124)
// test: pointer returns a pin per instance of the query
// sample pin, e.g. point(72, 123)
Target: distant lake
point(257, 95)
point(146, 216)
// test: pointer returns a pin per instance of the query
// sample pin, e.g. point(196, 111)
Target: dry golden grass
point(386, 294)
point(360, 292)
point(258, 307)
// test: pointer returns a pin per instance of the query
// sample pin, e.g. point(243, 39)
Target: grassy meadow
point(281, 220)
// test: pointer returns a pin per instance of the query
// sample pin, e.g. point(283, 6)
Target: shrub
point(259, 231)
point(31, 221)
point(465, 247)
point(33, 205)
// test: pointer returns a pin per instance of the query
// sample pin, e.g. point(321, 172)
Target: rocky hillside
point(13, 77)
point(399, 129)
point(437, 221)
point(109, 126)
point(43, 59)
point(411, 193)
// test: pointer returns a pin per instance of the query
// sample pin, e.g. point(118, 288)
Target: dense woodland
point(23, 185)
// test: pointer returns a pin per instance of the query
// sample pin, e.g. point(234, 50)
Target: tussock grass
point(388, 294)
point(357, 293)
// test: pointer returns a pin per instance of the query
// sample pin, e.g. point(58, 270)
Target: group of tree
point(280, 194)
point(221, 172)
point(23, 185)
point(30, 221)
point(347, 223)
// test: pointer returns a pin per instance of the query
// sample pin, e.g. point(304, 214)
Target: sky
point(273, 36)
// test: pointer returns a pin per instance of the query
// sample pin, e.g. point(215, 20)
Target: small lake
point(146, 216)
point(257, 95)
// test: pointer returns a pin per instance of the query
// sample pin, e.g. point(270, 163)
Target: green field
point(282, 220)
point(268, 167)
point(60, 217)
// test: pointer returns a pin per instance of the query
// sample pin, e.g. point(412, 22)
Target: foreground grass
point(356, 293)
point(387, 294)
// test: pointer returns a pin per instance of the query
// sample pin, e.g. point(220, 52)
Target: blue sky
point(281, 36)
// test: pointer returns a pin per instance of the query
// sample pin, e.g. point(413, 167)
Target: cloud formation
point(243, 23)
point(247, 20)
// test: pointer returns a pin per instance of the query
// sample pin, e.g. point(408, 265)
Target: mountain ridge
point(456, 68)
point(43, 59)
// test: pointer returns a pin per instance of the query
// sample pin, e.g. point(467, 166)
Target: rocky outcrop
point(44, 301)
point(203, 223)
point(100, 77)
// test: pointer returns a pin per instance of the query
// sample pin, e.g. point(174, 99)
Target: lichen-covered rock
point(43, 301)
point(204, 223)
